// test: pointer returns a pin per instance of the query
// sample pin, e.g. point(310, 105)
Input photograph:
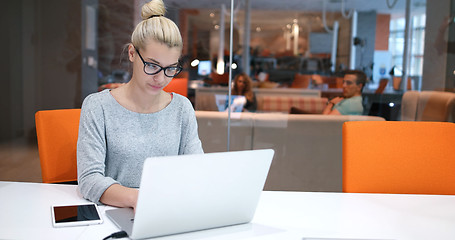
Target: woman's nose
point(159, 77)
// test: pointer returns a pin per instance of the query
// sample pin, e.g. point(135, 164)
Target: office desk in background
point(25, 214)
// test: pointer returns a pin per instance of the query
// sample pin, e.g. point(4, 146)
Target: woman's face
point(241, 83)
point(157, 54)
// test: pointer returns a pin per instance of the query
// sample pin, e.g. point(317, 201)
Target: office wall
point(366, 31)
point(10, 69)
point(344, 41)
point(382, 32)
point(115, 25)
point(435, 65)
point(60, 46)
point(56, 43)
point(41, 63)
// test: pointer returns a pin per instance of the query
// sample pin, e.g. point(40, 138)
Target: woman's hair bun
point(155, 26)
point(154, 7)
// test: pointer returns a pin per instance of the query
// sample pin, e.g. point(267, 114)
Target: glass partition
point(294, 51)
point(296, 60)
point(294, 55)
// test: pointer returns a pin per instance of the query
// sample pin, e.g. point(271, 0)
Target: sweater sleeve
point(190, 142)
point(91, 151)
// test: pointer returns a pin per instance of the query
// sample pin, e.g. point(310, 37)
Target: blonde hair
point(155, 26)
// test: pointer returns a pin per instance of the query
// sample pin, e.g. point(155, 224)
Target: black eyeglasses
point(153, 68)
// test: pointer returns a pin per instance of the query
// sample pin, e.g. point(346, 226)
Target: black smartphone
point(75, 215)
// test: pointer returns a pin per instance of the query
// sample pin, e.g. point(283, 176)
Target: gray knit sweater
point(113, 142)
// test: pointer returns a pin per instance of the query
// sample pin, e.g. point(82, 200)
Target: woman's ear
point(131, 52)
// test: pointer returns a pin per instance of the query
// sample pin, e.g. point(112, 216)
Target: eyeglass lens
point(152, 68)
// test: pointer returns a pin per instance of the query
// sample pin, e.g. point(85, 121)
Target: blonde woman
point(243, 86)
point(120, 128)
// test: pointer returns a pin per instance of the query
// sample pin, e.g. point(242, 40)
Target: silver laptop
point(237, 102)
point(193, 192)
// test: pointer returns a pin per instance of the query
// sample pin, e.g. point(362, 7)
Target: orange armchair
point(57, 132)
point(301, 81)
point(399, 157)
point(397, 81)
point(219, 79)
point(432, 106)
point(382, 85)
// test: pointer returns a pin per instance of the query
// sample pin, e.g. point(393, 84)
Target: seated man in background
point(351, 102)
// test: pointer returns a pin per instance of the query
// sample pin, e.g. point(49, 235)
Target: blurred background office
point(57, 52)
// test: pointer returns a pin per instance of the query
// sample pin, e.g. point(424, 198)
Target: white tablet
point(75, 215)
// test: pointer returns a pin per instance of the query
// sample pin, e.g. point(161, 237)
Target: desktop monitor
point(204, 68)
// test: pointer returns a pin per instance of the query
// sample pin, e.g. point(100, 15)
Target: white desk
point(25, 214)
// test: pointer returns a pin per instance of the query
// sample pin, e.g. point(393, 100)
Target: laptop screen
point(196, 191)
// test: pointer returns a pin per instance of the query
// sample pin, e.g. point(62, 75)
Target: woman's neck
point(239, 91)
point(135, 99)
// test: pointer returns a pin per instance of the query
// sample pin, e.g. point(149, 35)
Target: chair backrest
point(283, 103)
point(409, 105)
point(399, 157)
point(339, 82)
point(436, 106)
point(301, 81)
point(382, 84)
point(428, 106)
point(57, 132)
point(397, 82)
point(178, 85)
point(219, 79)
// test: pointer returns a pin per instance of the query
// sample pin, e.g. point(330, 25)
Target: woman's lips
point(154, 86)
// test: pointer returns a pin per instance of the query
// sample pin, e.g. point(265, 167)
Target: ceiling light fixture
point(195, 62)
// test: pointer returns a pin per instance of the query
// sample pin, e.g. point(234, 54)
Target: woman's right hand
point(120, 196)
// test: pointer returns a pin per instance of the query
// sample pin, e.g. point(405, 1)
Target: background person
point(351, 102)
point(120, 128)
point(243, 86)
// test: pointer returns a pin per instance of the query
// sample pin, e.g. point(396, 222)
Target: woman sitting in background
point(243, 87)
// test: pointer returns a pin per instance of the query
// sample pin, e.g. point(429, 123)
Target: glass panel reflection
point(296, 61)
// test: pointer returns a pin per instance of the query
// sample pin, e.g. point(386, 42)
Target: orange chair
point(431, 106)
point(219, 79)
point(333, 82)
point(301, 81)
point(57, 132)
point(399, 157)
point(382, 85)
point(339, 82)
point(178, 85)
point(397, 82)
